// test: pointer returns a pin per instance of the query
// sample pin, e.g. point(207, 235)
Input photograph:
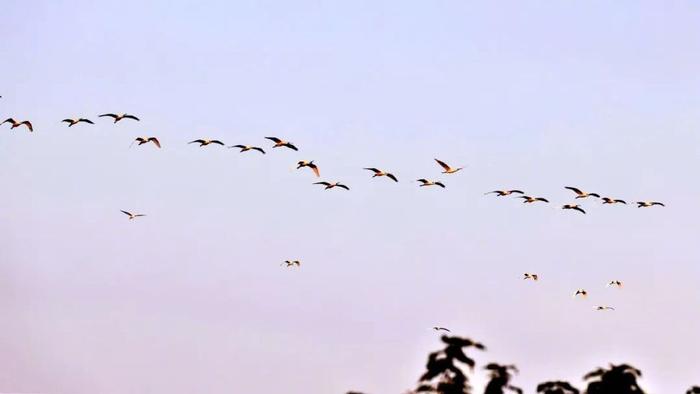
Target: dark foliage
point(618, 379)
point(557, 387)
point(500, 379)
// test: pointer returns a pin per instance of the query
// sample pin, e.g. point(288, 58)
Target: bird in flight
point(278, 142)
point(292, 263)
point(581, 194)
point(425, 182)
point(644, 204)
point(501, 193)
point(17, 124)
point(530, 200)
point(206, 142)
point(310, 164)
point(608, 200)
point(73, 122)
point(118, 117)
point(245, 148)
point(615, 283)
point(581, 292)
point(534, 277)
point(436, 328)
point(132, 216)
point(604, 308)
point(329, 185)
point(447, 169)
point(145, 140)
point(575, 207)
point(377, 172)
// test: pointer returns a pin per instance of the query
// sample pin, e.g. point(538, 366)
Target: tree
point(693, 390)
point(500, 379)
point(618, 379)
point(442, 375)
point(556, 387)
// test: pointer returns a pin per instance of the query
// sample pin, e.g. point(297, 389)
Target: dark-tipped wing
point(342, 186)
point(67, 120)
point(322, 183)
point(155, 141)
point(290, 146)
point(442, 164)
point(127, 116)
point(516, 191)
point(392, 177)
point(196, 141)
point(237, 146)
point(621, 201)
point(573, 189)
point(314, 168)
point(541, 199)
point(258, 149)
point(274, 139)
point(125, 212)
point(217, 142)
point(658, 203)
point(423, 181)
point(442, 185)
point(110, 115)
point(85, 120)
point(579, 209)
point(28, 124)
point(375, 170)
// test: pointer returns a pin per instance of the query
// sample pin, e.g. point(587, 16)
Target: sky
point(533, 95)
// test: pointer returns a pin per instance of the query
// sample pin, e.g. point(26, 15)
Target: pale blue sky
point(534, 95)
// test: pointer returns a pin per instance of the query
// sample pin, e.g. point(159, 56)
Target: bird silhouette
point(608, 200)
point(646, 204)
point(278, 143)
point(604, 308)
point(118, 117)
point(132, 216)
point(16, 123)
point(202, 142)
point(446, 168)
point(292, 263)
point(145, 140)
point(329, 185)
point(583, 293)
point(501, 193)
point(436, 328)
point(574, 207)
point(534, 277)
point(615, 283)
point(580, 193)
point(378, 172)
point(246, 148)
point(425, 182)
point(311, 165)
point(530, 200)
point(73, 122)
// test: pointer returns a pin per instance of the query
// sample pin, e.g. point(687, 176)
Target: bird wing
point(594, 194)
point(217, 142)
point(442, 164)
point(155, 141)
point(85, 120)
point(110, 115)
point(322, 183)
point(126, 213)
point(579, 209)
point(237, 146)
point(28, 124)
point(575, 190)
point(290, 146)
point(423, 181)
point(11, 120)
point(274, 139)
point(139, 215)
point(658, 203)
point(516, 191)
point(67, 120)
point(392, 177)
point(343, 186)
point(541, 199)
point(196, 141)
point(314, 167)
point(130, 117)
point(621, 201)
point(258, 149)
point(440, 184)
point(375, 170)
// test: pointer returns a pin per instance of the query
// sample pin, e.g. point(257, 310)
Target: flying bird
point(329, 185)
point(378, 172)
point(575, 207)
point(278, 142)
point(608, 200)
point(581, 292)
point(615, 283)
point(643, 204)
point(310, 164)
point(441, 329)
point(118, 117)
point(530, 200)
point(17, 124)
point(447, 169)
point(426, 182)
point(292, 263)
point(604, 308)
point(145, 140)
point(501, 193)
point(581, 194)
point(245, 148)
point(132, 216)
point(206, 142)
point(73, 122)
point(534, 277)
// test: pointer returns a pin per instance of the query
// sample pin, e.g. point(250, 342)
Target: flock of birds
point(446, 169)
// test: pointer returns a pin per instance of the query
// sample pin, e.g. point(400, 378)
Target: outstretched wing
point(440, 184)
point(392, 177)
point(127, 116)
point(196, 141)
point(110, 115)
point(290, 146)
point(155, 141)
point(375, 170)
point(217, 142)
point(343, 186)
point(314, 167)
point(274, 139)
point(258, 149)
point(575, 190)
point(443, 164)
point(541, 199)
point(322, 183)
point(579, 209)
point(126, 213)
point(28, 124)
point(85, 120)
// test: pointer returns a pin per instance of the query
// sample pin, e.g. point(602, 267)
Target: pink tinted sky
point(533, 95)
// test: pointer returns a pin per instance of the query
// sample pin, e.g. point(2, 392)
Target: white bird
point(329, 185)
point(310, 164)
point(118, 117)
point(16, 123)
point(132, 216)
point(425, 182)
point(583, 293)
point(145, 140)
point(447, 169)
point(580, 193)
point(534, 277)
point(575, 207)
point(206, 142)
point(604, 308)
point(245, 148)
point(615, 283)
point(644, 204)
point(378, 172)
point(73, 122)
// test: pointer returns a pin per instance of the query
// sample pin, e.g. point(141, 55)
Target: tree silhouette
point(500, 379)
point(557, 387)
point(693, 390)
point(442, 375)
point(618, 379)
